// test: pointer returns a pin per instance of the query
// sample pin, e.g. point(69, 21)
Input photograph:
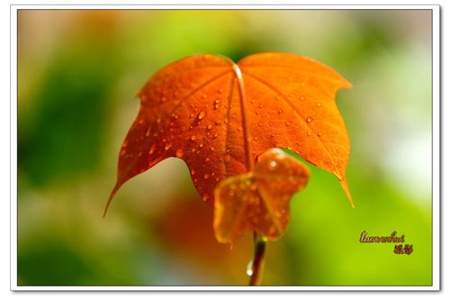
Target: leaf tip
point(345, 84)
point(111, 196)
point(344, 185)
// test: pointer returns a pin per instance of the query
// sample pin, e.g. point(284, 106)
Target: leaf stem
point(258, 259)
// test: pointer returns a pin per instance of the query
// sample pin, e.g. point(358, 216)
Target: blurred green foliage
point(68, 124)
point(78, 74)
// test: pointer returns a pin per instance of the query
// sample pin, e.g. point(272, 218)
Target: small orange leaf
point(218, 116)
point(259, 200)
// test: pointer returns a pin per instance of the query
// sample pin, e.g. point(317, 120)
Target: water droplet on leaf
point(179, 153)
point(216, 104)
point(152, 149)
point(272, 164)
point(201, 115)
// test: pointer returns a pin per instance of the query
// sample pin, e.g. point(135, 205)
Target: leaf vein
point(227, 123)
point(285, 99)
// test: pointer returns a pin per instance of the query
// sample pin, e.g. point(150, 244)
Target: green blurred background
point(79, 72)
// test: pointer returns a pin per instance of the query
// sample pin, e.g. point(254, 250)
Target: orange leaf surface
point(218, 116)
point(258, 201)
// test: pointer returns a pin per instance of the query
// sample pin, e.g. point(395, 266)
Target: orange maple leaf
point(218, 116)
point(258, 201)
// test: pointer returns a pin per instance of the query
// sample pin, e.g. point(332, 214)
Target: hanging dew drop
point(249, 269)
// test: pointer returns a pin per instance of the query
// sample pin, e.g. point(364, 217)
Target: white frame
point(436, 62)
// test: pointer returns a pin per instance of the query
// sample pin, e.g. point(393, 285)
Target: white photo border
point(436, 145)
